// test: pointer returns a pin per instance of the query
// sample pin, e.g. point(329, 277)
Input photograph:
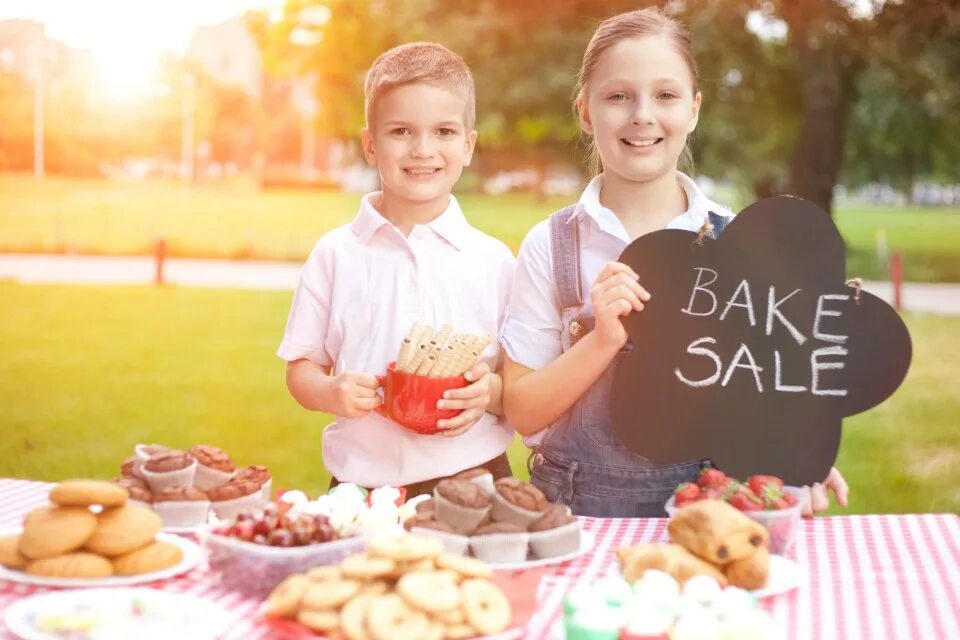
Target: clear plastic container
point(256, 569)
point(781, 524)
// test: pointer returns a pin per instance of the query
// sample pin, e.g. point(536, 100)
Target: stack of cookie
point(404, 586)
point(507, 521)
point(184, 486)
point(89, 531)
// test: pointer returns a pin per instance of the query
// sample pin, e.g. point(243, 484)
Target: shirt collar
point(451, 225)
point(698, 206)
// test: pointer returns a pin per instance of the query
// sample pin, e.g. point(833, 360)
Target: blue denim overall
point(580, 462)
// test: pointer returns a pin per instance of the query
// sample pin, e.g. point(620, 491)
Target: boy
point(408, 255)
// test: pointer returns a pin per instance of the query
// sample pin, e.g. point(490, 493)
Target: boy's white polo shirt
point(360, 291)
point(531, 334)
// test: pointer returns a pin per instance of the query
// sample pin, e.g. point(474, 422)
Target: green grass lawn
point(87, 372)
point(100, 217)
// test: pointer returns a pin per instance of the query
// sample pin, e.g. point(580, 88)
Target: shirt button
point(412, 287)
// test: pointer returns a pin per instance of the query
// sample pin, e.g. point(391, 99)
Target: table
point(872, 577)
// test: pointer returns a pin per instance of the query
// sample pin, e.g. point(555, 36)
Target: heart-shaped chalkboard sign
point(752, 349)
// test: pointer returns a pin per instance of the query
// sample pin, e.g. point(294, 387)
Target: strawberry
point(685, 493)
point(790, 499)
point(745, 500)
point(757, 484)
point(710, 476)
point(713, 492)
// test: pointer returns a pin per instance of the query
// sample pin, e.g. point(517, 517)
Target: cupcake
point(453, 542)
point(137, 488)
point(142, 453)
point(555, 533)
point(214, 467)
point(129, 468)
point(517, 502)
point(460, 504)
point(500, 542)
point(169, 470)
point(235, 496)
point(182, 507)
point(260, 476)
point(478, 476)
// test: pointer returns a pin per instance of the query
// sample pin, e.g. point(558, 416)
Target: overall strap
point(719, 223)
point(565, 257)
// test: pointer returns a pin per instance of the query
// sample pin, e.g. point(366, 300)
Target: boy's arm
point(348, 394)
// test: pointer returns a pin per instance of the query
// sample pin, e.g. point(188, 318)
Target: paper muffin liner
point(463, 519)
point(485, 482)
point(182, 479)
point(140, 458)
point(183, 513)
point(139, 503)
point(209, 478)
point(453, 543)
point(499, 548)
point(506, 511)
point(555, 542)
point(265, 492)
point(229, 509)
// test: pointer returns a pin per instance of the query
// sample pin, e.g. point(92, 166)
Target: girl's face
point(639, 105)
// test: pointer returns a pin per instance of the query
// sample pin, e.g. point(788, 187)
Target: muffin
point(142, 453)
point(555, 533)
point(137, 488)
point(453, 542)
point(182, 507)
point(129, 468)
point(479, 476)
point(235, 496)
point(517, 502)
point(500, 542)
point(214, 466)
point(259, 475)
point(169, 470)
point(460, 504)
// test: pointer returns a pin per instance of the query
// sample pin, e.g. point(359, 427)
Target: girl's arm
point(535, 399)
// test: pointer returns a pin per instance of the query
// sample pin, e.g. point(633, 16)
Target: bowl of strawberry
point(257, 550)
point(764, 499)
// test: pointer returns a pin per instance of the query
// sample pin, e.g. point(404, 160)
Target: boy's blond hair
point(421, 62)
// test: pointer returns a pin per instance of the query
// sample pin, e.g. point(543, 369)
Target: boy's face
point(418, 141)
point(640, 106)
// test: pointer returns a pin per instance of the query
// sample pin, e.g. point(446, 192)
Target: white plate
point(192, 555)
point(161, 615)
point(586, 544)
point(785, 575)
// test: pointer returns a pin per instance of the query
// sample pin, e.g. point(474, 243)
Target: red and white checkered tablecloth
point(871, 577)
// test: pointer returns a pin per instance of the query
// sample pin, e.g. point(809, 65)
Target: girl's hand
point(354, 394)
point(615, 294)
point(817, 498)
point(473, 399)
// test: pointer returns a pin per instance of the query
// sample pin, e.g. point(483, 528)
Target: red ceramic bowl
point(411, 400)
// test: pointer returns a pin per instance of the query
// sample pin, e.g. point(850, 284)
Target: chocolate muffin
point(497, 527)
point(182, 507)
point(170, 470)
point(168, 461)
point(517, 502)
point(214, 466)
point(463, 493)
point(554, 516)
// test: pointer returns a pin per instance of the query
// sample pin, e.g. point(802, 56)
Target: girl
point(637, 97)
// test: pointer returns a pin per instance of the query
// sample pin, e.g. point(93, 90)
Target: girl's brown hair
point(633, 24)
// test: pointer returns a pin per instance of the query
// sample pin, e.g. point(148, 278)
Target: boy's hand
point(473, 399)
point(817, 497)
point(354, 394)
point(615, 293)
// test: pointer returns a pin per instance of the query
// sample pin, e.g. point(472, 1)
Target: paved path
point(240, 274)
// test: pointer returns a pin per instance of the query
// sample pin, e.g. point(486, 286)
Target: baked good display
point(403, 586)
point(512, 523)
point(710, 538)
point(84, 532)
point(186, 487)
